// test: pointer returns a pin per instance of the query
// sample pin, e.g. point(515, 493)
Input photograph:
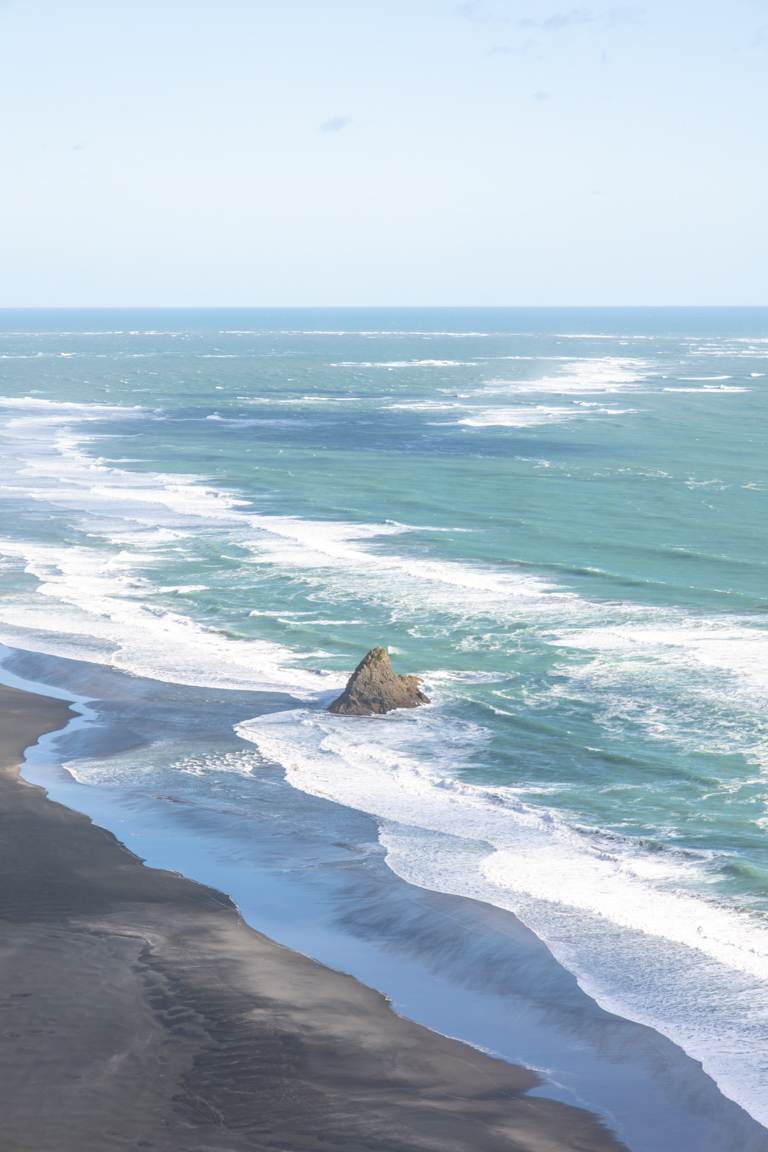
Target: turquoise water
point(557, 517)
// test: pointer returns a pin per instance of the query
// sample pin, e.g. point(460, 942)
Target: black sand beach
point(140, 1011)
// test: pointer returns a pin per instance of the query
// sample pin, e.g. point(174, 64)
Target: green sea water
point(558, 518)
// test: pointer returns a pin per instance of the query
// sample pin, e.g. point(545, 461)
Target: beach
point(210, 516)
point(139, 1011)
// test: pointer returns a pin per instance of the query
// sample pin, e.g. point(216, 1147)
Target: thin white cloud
point(582, 17)
point(486, 11)
point(335, 124)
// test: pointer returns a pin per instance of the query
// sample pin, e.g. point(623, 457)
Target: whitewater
point(562, 530)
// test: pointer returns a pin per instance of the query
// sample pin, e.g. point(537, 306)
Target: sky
point(383, 152)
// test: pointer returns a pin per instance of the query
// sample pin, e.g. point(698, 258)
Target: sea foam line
point(608, 910)
point(109, 595)
point(324, 554)
point(578, 376)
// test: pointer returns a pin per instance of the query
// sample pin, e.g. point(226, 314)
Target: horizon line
point(359, 307)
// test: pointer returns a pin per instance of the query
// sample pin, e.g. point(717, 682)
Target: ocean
point(557, 517)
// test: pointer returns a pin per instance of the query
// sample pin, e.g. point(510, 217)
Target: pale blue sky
point(360, 152)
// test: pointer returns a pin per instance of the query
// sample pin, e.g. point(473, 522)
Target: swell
point(112, 604)
point(627, 921)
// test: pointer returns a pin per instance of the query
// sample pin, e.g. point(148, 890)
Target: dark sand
point(139, 1011)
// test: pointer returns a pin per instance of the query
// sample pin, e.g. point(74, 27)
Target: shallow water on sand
point(558, 516)
point(160, 768)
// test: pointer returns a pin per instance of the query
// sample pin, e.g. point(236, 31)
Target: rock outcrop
point(374, 687)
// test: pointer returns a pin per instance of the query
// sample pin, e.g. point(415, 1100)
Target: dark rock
point(374, 687)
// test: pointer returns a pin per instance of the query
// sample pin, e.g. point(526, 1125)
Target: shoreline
point(459, 968)
point(155, 1014)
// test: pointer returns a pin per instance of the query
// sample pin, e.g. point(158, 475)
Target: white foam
point(297, 401)
point(96, 604)
point(425, 406)
point(55, 467)
point(161, 763)
point(182, 589)
point(530, 417)
point(404, 364)
point(374, 332)
point(67, 407)
point(583, 376)
point(382, 766)
point(518, 417)
point(330, 557)
point(722, 645)
point(606, 908)
point(552, 359)
point(700, 684)
point(328, 552)
point(720, 388)
point(58, 471)
point(102, 610)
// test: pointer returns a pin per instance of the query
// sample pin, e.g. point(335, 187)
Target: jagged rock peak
point(374, 687)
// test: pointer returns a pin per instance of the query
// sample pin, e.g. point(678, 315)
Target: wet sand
point(139, 1011)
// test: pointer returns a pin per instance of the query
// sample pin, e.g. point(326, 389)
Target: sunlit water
point(559, 518)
